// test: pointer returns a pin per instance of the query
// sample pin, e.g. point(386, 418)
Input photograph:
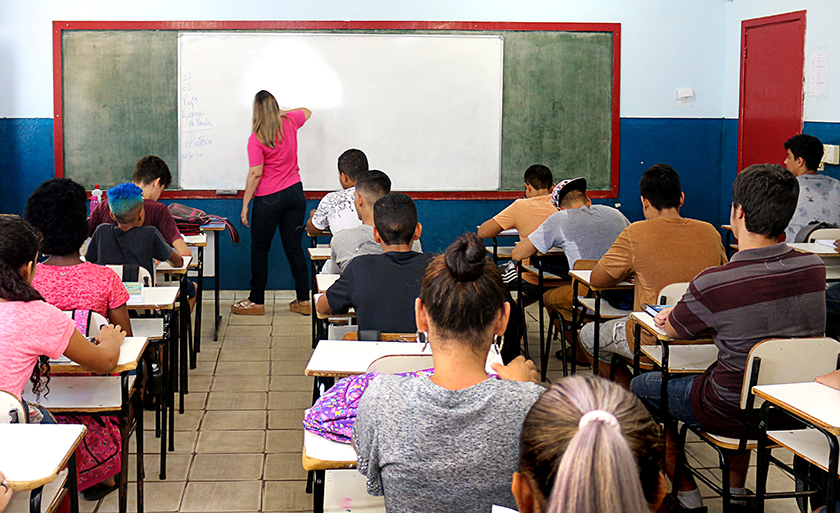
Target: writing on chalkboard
point(196, 126)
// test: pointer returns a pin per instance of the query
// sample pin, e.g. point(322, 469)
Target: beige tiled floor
point(238, 445)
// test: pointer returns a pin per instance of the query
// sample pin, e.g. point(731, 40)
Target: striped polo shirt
point(770, 292)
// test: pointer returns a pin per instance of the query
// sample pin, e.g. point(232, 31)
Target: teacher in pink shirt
point(274, 185)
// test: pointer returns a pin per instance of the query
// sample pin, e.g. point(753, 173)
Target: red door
point(772, 67)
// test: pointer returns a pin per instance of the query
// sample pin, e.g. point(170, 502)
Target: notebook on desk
point(135, 292)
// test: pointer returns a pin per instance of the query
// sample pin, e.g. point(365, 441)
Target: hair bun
point(466, 257)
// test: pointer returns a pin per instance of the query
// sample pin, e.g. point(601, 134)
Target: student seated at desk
point(32, 332)
point(337, 211)
point(449, 441)
point(129, 242)
point(663, 249)
point(5, 494)
point(57, 209)
point(589, 446)
point(768, 290)
point(819, 195)
point(524, 215)
point(152, 175)
point(382, 288)
point(582, 230)
point(352, 242)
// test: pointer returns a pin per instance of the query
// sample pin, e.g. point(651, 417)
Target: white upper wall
point(665, 44)
point(819, 35)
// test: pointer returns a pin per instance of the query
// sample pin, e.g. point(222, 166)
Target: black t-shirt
point(382, 289)
point(140, 245)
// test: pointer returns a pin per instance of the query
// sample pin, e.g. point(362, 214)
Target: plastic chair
point(126, 272)
point(824, 234)
point(12, 408)
point(770, 362)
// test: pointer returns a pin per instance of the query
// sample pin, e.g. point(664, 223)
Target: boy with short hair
point(768, 290)
point(129, 242)
point(663, 249)
point(152, 175)
point(819, 195)
point(352, 242)
point(582, 230)
point(337, 211)
point(382, 288)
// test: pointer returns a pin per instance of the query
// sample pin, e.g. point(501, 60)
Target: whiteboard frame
point(613, 28)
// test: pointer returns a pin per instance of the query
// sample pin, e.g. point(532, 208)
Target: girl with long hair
point(32, 331)
point(274, 185)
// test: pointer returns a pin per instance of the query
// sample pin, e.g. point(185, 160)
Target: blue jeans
point(284, 210)
point(648, 388)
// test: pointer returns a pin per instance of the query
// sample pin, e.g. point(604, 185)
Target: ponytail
point(589, 446)
point(598, 472)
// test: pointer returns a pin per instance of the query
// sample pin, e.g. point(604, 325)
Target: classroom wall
point(665, 45)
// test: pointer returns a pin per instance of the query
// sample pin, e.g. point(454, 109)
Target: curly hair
point(58, 209)
point(19, 247)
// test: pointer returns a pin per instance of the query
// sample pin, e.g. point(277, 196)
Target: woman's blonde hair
point(595, 466)
point(268, 120)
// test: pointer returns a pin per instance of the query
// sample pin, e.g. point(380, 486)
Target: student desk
point(320, 455)
point(180, 353)
point(199, 242)
point(32, 456)
point(596, 305)
point(318, 255)
point(502, 252)
point(680, 359)
point(816, 405)
point(728, 244)
point(323, 281)
point(104, 396)
point(163, 299)
point(829, 256)
point(520, 299)
point(214, 228)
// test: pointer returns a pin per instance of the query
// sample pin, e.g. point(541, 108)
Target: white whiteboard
point(425, 109)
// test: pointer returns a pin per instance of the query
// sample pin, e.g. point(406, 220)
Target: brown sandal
point(296, 307)
point(246, 307)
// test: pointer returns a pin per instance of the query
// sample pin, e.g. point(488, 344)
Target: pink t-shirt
point(83, 286)
point(29, 329)
point(280, 164)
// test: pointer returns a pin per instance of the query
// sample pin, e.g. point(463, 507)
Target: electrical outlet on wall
point(831, 154)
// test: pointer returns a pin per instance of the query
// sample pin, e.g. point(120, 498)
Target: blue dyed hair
point(125, 200)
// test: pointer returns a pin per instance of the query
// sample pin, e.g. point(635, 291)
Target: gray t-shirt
point(586, 232)
point(819, 200)
point(352, 242)
point(428, 449)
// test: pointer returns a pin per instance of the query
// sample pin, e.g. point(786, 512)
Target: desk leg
point(543, 350)
point(314, 290)
point(762, 460)
point(199, 293)
point(137, 405)
point(184, 352)
point(318, 491)
point(216, 279)
point(831, 476)
point(637, 350)
point(72, 476)
point(173, 375)
point(125, 430)
point(596, 356)
point(520, 299)
point(163, 399)
point(574, 343)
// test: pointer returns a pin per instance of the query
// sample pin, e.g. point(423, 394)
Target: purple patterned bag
point(333, 414)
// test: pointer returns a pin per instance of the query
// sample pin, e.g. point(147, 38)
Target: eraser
point(229, 192)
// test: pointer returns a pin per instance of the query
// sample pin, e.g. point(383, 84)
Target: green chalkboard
point(557, 106)
point(119, 101)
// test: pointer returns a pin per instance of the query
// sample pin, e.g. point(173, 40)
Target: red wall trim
point(615, 28)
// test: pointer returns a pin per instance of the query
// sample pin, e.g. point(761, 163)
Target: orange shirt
point(526, 214)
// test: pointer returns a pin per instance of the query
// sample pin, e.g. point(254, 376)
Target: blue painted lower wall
point(703, 151)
